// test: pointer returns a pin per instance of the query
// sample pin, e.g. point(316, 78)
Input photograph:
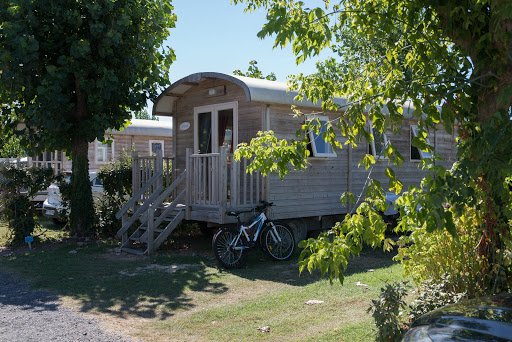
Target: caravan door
point(216, 126)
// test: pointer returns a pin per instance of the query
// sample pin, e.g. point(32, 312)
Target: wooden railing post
point(223, 182)
point(135, 176)
point(151, 231)
point(159, 166)
point(188, 186)
point(124, 237)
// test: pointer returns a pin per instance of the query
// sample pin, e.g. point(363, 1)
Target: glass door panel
point(204, 133)
point(225, 129)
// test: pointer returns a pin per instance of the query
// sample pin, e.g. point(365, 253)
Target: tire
point(280, 250)
point(224, 253)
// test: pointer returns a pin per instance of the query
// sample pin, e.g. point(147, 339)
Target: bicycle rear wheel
point(281, 246)
point(223, 248)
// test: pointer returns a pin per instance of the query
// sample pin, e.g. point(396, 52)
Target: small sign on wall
point(184, 126)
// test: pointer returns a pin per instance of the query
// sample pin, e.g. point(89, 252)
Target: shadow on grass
point(261, 267)
point(121, 286)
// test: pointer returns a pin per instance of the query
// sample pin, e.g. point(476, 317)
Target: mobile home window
point(417, 154)
point(317, 145)
point(101, 152)
point(378, 145)
point(156, 145)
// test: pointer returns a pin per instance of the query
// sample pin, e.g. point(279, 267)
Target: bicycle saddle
point(233, 213)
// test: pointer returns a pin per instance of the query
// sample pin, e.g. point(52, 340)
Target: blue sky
point(215, 35)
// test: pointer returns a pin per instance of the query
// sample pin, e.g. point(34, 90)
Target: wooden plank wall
point(127, 143)
point(316, 191)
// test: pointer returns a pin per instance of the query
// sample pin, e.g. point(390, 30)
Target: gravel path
point(35, 315)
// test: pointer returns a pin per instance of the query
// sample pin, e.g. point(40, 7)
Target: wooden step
point(178, 206)
point(156, 230)
point(133, 251)
point(142, 239)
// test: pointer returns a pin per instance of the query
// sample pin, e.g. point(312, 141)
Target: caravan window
point(379, 143)
point(417, 154)
point(317, 146)
point(101, 152)
point(156, 145)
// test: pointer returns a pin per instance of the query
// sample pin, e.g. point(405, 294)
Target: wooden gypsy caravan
point(211, 114)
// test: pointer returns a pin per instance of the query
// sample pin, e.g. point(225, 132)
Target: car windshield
point(96, 182)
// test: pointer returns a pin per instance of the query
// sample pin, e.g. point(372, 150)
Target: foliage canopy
point(69, 70)
point(447, 64)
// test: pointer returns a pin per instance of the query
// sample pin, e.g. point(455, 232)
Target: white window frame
point(214, 109)
point(374, 151)
point(313, 141)
point(158, 142)
point(423, 154)
point(98, 145)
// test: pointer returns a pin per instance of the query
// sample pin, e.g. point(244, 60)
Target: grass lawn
point(181, 295)
point(45, 231)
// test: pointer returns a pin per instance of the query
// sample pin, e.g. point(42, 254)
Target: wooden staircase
point(156, 219)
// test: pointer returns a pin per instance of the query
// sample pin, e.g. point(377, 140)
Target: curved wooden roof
point(256, 90)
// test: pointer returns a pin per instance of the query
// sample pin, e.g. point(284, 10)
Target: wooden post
point(223, 182)
point(135, 176)
point(233, 195)
point(174, 174)
point(187, 184)
point(124, 237)
point(159, 166)
point(151, 231)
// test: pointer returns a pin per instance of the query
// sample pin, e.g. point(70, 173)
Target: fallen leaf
point(314, 301)
point(264, 329)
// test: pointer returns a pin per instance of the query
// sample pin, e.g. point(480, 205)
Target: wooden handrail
point(139, 211)
point(139, 193)
point(169, 189)
point(173, 205)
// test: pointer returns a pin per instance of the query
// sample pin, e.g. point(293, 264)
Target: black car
point(479, 319)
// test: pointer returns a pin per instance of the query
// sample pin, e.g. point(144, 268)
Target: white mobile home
point(213, 112)
point(145, 136)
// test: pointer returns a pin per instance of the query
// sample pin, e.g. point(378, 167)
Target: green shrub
point(18, 187)
point(433, 295)
point(393, 316)
point(388, 312)
point(439, 257)
point(117, 183)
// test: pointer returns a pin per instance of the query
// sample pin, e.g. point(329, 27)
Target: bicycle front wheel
point(223, 246)
point(279, 243)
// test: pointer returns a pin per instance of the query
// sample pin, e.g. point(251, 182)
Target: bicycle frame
point(231, 243)
point(260, 221)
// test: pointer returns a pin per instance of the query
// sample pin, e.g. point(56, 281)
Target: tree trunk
point(82, 207)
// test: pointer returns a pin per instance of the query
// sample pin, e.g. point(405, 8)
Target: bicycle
point(231, 243)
